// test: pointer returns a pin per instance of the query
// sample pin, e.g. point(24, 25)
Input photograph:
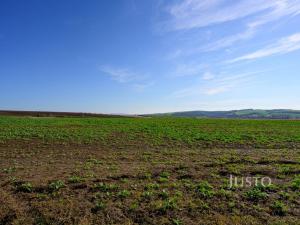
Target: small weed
point(279, 208)
point(270, 187)
point(178, 194)
point(163, 180)
point(98, 206)
point(231, 204)
point(203, 206)
point(296, 183)
point(224, 193)
point(147, 195)
point(284, 170)
point(134, 206)
point(106, 187)
point(233, 169)
point(285, 195)
point(205, 190)
point(163, 194)
point(256, 194)
point(75, 179)
point(41, 196)
point(94, 161)
point(25, 187)
point(188, 184)
point(258, 208)
point(176, 222)
point(147, 176)
point(123, 194)
point(168, 204)
point(124, 180)
point(164, 177)
point(165, 174)
point(9, 170)
point(56, 185)
point(152, 186)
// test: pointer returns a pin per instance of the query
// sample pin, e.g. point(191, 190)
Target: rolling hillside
point(239, 114)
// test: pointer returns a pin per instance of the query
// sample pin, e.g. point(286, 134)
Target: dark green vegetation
point(241, 114)
point(147, 171)
point(54, 114)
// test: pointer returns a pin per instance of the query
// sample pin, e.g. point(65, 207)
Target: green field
point(155, 131)
point(148, 171)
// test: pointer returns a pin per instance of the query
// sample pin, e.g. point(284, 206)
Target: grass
point(147, 171)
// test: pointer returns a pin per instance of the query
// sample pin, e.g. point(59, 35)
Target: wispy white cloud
point(208, 76)
point(283, 46)
point(282, 8)
point(188, 69)
point(217, 85)
point(121, 75)
point(175, 54)
point(188, 14)
point(142, 86)
point(229, 40)
point(139, 82)
point(191, 14)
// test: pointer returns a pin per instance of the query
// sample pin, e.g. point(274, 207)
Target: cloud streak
point(283, 46)
point(190, 14)
point(121, 75)
point(193, 14)
point(188, 69)
point(139, 82)
point(216, 85)
point(142, 86)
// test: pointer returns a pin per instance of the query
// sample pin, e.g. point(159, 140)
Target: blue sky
point(144, 56)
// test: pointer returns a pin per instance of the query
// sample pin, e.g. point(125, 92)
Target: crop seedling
point(152, 186)
point(25, 187)
point(94, 161)
point(147, 195)
point(163, 194)
point(134, 206)
point(255, 194)
point(163, 180)
point(176, 222)
point(296, 183)
point(165, 174)
point(106, 187)
point(56, 185)
point(123, 194)
point(279, 208)
point(285, 195)
point(9, 170)
point(75, 179)
point(168, 204)
point(98, 206)
point(204, 189)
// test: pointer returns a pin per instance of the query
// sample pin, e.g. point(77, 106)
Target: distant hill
point(239, 114)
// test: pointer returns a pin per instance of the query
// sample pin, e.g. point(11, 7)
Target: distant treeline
point(54, 114)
